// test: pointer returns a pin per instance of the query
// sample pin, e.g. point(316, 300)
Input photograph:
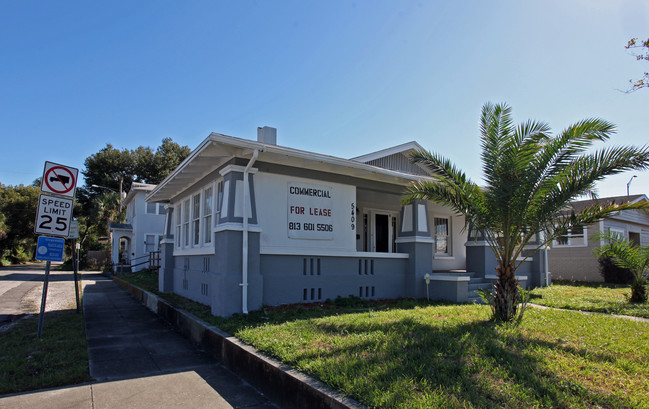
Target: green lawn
point(449, 356)
point(59, 358)
point(596, 297)
point(411, 354)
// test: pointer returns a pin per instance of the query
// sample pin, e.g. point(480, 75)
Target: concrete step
point(477, 286)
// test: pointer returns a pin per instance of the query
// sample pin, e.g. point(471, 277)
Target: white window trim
point(449, 237)
point(146, 208)
point(178, 225)
point(195, 219)
point(371, 233)
point(202, 247)
point(156, 241)
point(186, 229)
point(581, 241)
point(204, 225)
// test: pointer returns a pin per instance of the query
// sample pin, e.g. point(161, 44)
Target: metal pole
point(75, 263)
point(121, 181)
point(43, 299)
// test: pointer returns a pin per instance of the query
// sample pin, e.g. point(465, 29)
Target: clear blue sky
point(335, 77)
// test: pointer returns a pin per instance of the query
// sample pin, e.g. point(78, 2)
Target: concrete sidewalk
point(139, 361)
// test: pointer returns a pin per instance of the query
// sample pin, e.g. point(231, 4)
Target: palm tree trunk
point(506, 294)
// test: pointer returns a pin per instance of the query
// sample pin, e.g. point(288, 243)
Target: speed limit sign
point(53, 216)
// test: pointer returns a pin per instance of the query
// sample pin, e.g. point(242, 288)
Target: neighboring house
point(134, 240)
point(316, 227)
point(571, 256)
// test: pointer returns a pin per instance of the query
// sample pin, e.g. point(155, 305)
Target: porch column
point(167, 260)
point(226, 297)
point(415, 239)
point(480, 258)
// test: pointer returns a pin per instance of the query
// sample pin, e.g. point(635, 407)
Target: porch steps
point(477, 283)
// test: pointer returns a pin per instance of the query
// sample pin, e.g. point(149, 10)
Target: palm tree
point(530, 177)
point(626, 255)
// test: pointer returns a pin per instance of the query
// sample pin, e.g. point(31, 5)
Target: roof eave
point(273, 154)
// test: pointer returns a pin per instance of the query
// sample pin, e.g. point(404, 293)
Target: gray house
point(571, 256)
point(315, 227)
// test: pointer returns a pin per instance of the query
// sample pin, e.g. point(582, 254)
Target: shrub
point(612, 273)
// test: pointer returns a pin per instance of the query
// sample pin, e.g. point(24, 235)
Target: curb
point(280, 383)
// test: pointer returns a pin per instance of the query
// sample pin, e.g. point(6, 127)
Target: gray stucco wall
point(295, 279)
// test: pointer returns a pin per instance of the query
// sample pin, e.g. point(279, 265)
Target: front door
point(382, 233)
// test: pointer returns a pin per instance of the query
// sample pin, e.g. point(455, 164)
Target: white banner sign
point(310, 211)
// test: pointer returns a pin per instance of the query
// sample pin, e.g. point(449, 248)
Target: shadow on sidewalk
point(128, 341)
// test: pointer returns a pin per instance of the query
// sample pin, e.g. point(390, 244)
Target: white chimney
point(267, 135)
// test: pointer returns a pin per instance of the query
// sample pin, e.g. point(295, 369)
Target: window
point(186, 223)
point(219, 197)
point(614, 231)
point(196, 219)
point(161, 209)
point(441, 231)
point(575, 237)
point(149, 243)
point(178, 226)
point(151, 208)
point(394, 236)
point(207, 215)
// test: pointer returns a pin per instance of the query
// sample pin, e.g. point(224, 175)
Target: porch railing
point(152, 259)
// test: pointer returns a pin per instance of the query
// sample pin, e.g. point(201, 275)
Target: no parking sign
point(59, 179)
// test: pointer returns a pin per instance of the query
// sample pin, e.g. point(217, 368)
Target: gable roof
point(403, 148)
point(135, 188)
point(582, 204)
point(217, 149)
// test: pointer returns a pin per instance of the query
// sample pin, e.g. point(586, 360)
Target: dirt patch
point(60, 294)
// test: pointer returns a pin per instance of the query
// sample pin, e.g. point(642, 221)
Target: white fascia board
point(152, 195)
point(135, 188)
point(404, 147)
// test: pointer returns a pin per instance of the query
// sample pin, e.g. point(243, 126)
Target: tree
point(99, 204)
point(167, 158)
point(626, 255)
point(18, 209)
point(530, 177)
point(106, 167)
point(643, 46)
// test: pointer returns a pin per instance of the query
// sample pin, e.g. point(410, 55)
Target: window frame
point(196, 219)
point(155, 208)
point(185, 233)
point(207, 195)
point(447, 236)
point(156, 242)
point(196, 214)
point(572, 240)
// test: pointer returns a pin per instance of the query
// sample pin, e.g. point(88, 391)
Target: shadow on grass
point(475, 364)
point(588, 284)
point(470, 365)
point(59, 358)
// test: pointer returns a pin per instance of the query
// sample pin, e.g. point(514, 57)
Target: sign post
point(48, 249)
point(74, 235)
point(53, 218)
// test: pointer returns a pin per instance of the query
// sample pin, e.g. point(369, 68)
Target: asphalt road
point(21, 288)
